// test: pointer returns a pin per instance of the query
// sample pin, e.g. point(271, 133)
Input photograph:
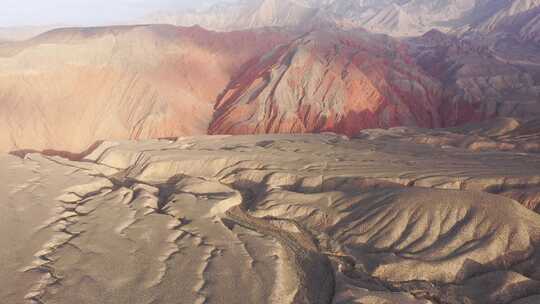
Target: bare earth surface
point(390, 216)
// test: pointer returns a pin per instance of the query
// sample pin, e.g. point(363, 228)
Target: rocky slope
point(518, 16)
point(247, 14)
point(69, 87)
point(345, 81)
point(329, 81)
point(394, 17)
point(276, 219)
point(482, 75)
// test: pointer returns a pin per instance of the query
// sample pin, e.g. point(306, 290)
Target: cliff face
point(329, 81)
point(68, 88)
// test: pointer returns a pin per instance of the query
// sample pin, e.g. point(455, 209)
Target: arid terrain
point(403, 215)
point(272, 151)
point(67, 88)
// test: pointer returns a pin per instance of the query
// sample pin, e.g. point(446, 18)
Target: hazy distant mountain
point(23, 32)
point(244, 14)
point(395, 17)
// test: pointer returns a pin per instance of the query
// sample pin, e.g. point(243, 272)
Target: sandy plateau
point(388, 216)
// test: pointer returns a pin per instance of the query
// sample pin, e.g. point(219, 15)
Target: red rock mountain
point(329, 81)
point(68, 88)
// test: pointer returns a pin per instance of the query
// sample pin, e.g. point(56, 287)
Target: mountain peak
point(394, 17)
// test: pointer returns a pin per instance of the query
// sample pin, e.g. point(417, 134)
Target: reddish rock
point(329, 81)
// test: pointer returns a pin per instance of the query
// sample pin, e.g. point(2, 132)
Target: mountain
point(531, 30)
point(346, 81)
point(329, 81)
point(20, 33)
point(394, 17)
point(246, 14)
point(482, 76)
point(419, 182)
point(69, 87)
point(512, 15)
